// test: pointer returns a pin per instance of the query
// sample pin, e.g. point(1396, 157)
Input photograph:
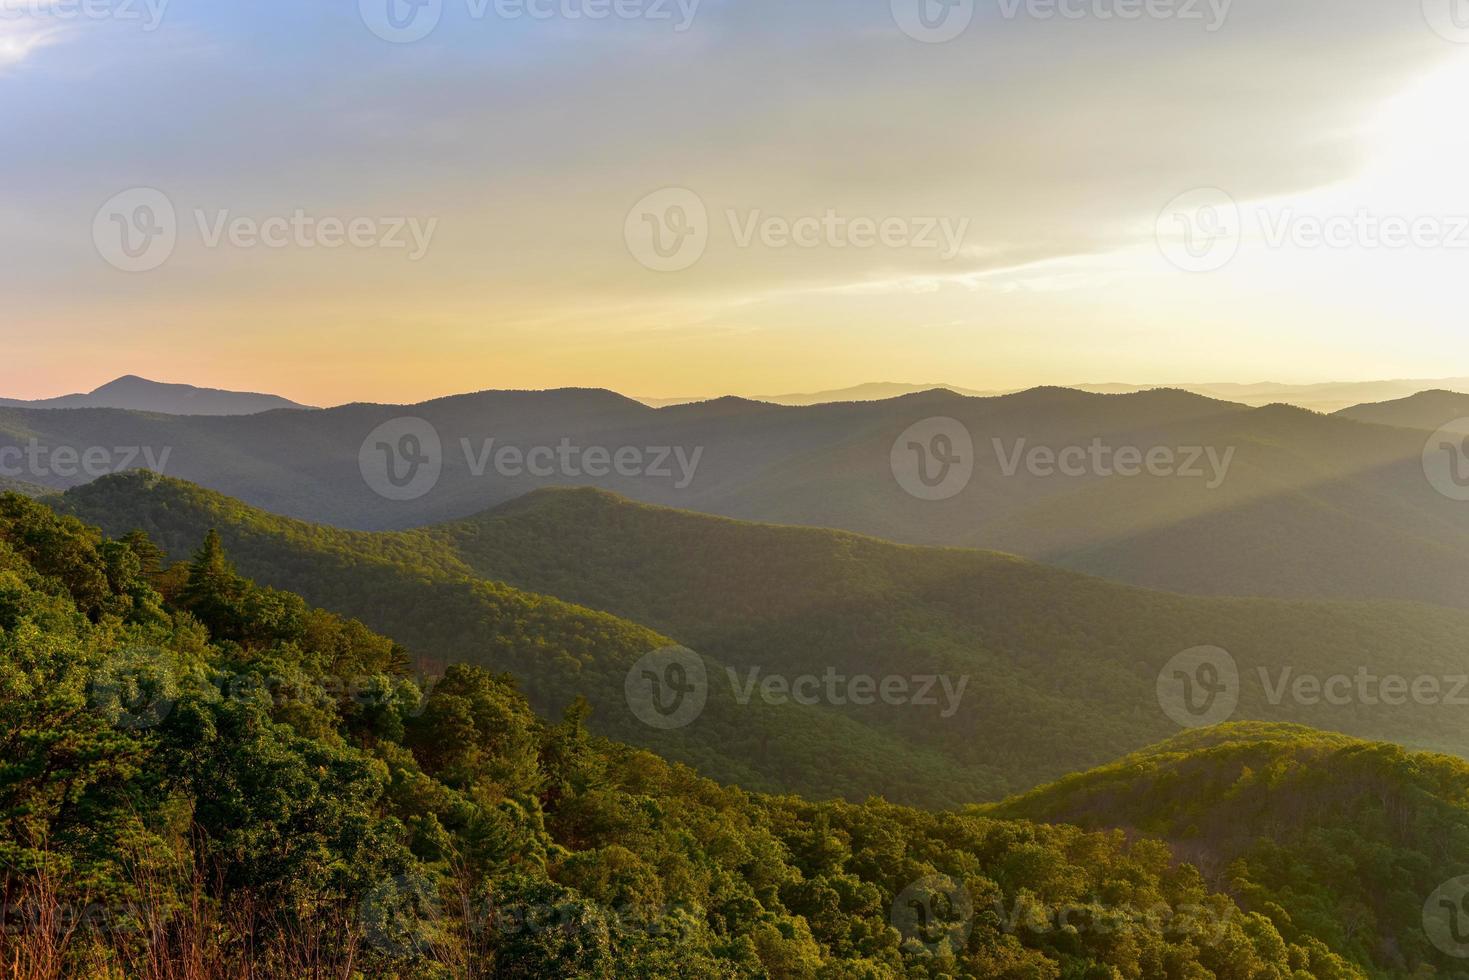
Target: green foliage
point(1061, 668)
point(233, 801)
point(1336, 841)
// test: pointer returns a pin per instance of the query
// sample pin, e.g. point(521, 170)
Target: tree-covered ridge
point(12, 485)
point(413, 586)
point(203, 776)
point(1062, 668)
point(1328, 836)
point(1053, 652)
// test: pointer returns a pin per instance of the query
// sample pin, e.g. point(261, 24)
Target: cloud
point(20, 37)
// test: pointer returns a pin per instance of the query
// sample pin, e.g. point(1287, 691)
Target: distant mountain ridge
point(1427, 410)
point(1328, 397)
point(135, 394)
point(870, 392)
point(1309, 505)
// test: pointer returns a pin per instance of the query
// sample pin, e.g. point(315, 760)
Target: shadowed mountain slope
point(1027, 671)
point(1273, 501)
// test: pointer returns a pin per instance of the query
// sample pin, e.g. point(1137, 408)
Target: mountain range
point(1273, 501)
point(1327, 397)
point(141, 395)
point(1032, 671)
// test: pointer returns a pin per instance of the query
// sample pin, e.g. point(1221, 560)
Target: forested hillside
point(1427, 411)
point(9, 485)
point(1062, 670)
point(416, 589)
point(205, 778)
point(1330, 837)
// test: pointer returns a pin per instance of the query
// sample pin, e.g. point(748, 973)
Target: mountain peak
point(132, 392)
point(127, 380)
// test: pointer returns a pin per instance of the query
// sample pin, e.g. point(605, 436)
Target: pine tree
point(215, 590)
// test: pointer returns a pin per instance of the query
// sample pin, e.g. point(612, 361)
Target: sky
point(391, 200)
